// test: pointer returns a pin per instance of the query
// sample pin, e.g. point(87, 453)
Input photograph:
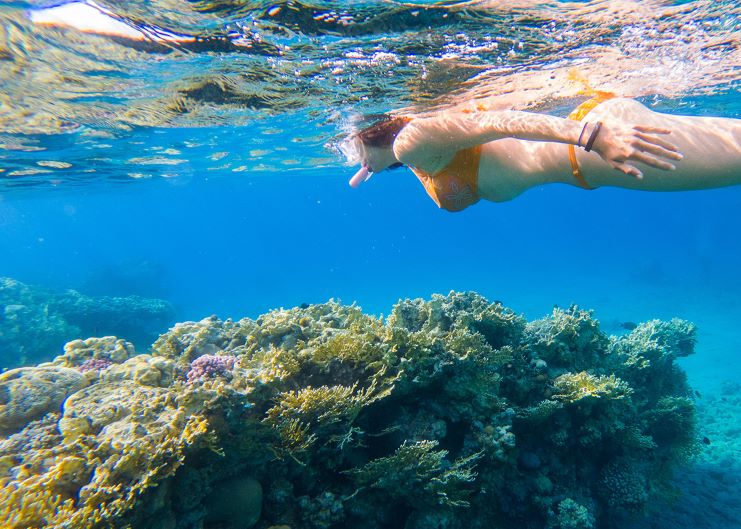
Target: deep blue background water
point(239, 244)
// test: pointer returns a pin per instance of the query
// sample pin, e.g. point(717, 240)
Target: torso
point(509, 166)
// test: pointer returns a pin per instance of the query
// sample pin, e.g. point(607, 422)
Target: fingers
point(655, 130)
point(653, 162)
point(628, 169)
point(659, 141)
point(658, 150)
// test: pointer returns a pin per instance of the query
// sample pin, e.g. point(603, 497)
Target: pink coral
point(95, 364)
point(211, 366)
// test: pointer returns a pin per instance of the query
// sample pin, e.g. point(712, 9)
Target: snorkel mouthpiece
point(360, 177)
point(352, 148)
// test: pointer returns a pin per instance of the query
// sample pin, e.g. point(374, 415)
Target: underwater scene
point(524, 311)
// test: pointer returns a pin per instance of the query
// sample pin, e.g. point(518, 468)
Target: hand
point(618, 144)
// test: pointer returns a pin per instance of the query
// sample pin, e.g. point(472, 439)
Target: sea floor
point(708, 488)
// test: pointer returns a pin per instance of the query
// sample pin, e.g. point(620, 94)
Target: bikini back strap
point(577, 115)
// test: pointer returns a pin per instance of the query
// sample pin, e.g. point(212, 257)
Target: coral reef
point(29, 331)
point(452, 412)
point(36, 322)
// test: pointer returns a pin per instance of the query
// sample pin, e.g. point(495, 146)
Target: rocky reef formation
point(36, 322)
point(451, 413)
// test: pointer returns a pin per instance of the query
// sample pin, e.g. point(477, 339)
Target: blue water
point(240, 244)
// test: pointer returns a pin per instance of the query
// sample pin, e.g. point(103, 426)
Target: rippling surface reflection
point(184, 70)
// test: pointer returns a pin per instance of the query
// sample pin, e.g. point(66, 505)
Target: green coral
point(571, 515)
point(624, 485)
point(419, 475)
point(569, 338)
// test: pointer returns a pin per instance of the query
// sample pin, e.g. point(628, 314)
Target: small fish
point(629, 325)
point(697, 394)
point(706, 440)
point(304, 306)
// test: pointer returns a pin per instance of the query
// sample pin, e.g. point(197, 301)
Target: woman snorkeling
point(462, 156)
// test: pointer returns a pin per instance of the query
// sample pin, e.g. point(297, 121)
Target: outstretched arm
point(431, 142)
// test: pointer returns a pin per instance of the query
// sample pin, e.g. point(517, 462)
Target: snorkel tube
point(361, 176)
point(353, 150)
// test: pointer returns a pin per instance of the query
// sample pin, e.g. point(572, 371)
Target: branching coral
point(419, 475)
point(645, 358)
point(327, 413)
point(573, 387)
point(460, 310)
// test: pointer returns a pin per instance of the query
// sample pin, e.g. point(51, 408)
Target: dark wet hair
point(383, 133)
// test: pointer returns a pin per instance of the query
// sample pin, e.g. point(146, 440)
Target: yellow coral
point(25, 505)
point(97, 479)
point(357, 348)
point(320, 410)
point(572, 387)
point(73, 427)
point(107, 347)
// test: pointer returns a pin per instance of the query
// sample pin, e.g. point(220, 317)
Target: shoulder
point(418, 145)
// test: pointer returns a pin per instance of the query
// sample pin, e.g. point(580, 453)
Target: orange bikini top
point(455, 186)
